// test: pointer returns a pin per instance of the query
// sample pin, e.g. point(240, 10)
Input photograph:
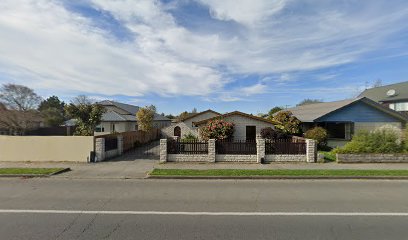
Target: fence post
point(120, 145)
point(260, 150)
point(163, 150)
point(211, 150)
point(99, 149)
point(311, 150)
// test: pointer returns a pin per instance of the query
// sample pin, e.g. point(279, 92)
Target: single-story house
point(121, 117)
point(246, 126)
point(343, 118)
point(186, 126)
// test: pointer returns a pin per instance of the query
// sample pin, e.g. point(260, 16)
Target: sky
point(246, 55)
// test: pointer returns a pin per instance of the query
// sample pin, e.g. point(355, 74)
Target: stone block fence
point(249, 152)
point(372, 158)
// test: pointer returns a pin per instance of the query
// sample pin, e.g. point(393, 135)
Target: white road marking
point(404, 214)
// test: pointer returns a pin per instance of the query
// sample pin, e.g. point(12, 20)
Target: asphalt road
point(200, 209)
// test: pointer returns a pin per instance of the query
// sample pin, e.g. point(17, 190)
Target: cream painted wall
point(240, 125)
point(189, 122)
point(46, 148)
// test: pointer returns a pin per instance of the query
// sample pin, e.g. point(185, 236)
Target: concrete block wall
point(187, 158)
point(310, 156)
point(260, 150)
point(100, 149)
point(372, 158)
point(311, 150)
point(163, 150)
point(285, 158)
point(100, 152)
point(235, 158)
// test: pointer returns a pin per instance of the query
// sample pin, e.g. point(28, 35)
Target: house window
point(113, 127)
point(136, 127)
point(177, 131)
point(401, 106)
point(337, 130)
point(99, 129)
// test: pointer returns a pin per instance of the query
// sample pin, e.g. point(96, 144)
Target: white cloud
point(258, 88)
point(46, 46)
point(247, 12)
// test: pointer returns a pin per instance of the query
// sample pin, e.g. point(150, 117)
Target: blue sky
point(248, 55)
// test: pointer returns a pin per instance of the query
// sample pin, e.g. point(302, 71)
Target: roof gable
point(192, 116)
point(319, 111)
point(358, 112)
point(236, 113)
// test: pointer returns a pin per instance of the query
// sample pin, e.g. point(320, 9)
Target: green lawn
point(278, 172)
point(31, 171)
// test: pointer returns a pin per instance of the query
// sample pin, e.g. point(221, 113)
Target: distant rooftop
point(312, 112)
point(392, 92)
point(131, 109)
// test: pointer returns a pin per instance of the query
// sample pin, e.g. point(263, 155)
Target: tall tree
point(309, 101)
point(19, 97)
point(52, 110)
point(183, 115)
point(17, 110)
point(273, 111)
point(87, 114)
point(145, 117)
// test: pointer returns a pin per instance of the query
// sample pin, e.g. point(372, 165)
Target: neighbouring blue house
point(343, 118)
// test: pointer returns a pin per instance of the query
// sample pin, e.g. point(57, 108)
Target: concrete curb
point(280, 177)
point(34, 175)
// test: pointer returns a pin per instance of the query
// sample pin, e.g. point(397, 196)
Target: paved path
point(334, 209)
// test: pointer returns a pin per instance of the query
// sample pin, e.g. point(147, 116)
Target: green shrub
point(379, 141)
point(329, 156)
point(319, 134)
point(287, 122)
point(406, 138)
point(270, 133)
point(189, 137)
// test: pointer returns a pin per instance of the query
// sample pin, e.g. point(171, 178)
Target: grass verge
point(29, 171)
point(280, 172)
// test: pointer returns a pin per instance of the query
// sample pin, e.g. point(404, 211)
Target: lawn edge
point(276, 177)
point(34, 175)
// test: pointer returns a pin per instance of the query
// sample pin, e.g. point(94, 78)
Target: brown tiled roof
point(237, 113)
point(198, 114)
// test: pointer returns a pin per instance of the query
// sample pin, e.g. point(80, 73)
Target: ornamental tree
point(145, 117)
point(87, 114)
point(287, 122)
point(217, 129)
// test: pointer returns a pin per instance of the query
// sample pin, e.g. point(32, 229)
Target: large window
point(336, 129)
point(401, 106)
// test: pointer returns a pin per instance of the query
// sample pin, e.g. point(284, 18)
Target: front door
point(250, 133)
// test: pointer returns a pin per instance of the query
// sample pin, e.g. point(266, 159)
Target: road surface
point(200, 209)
